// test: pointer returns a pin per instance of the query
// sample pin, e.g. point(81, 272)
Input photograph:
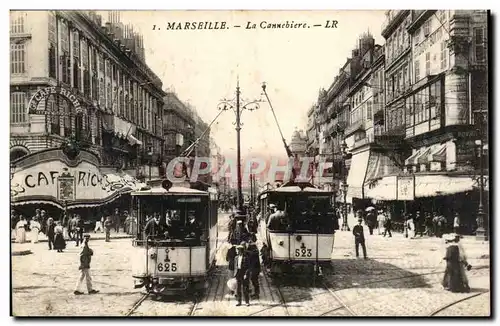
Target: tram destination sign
point(43, 94)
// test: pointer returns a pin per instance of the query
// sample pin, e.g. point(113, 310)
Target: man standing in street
point(371, 220)
point(241, 273)
point(359, 238)
point(79, 230)
point(85, 258)
point(117, 220)
point(108, 224)
point(456, 224)
point(254, 265)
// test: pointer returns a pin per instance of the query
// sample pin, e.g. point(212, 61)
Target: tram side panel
point(180, 261)
point(300, 247)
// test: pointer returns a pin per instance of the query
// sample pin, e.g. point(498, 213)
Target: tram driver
point(152, 228)
point(276, 220)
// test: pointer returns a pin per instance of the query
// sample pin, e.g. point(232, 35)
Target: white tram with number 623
point(297, 228)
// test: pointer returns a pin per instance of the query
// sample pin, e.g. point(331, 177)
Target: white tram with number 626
point(176, 238)
point(297, 228)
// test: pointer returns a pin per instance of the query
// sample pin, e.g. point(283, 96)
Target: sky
point(202, 66)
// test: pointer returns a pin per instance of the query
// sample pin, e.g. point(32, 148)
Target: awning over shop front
point(412, 160)
point(422, 158)
point(134, 141)
point(438, 154)
point(382, 189)
point(379, 184)
point(50, 177)
point(357, 173)
point(442, 185)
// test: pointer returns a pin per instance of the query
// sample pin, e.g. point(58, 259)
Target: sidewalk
point(93, 236)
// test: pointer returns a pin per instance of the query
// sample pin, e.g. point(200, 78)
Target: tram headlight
point(153, 255)
point(298, 238)
point(281, 243)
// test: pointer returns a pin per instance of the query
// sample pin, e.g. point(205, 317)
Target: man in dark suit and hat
point(242, 274)
point(85, 259)
point(359, 237)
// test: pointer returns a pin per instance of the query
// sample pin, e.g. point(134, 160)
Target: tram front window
point(312, 215)
point(175, 219)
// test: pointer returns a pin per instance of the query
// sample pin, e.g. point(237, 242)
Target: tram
point(297, 228)
point(176, 240)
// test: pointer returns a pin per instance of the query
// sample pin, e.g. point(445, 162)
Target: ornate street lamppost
point(482, 231)
point(238, 105)
point(345, 156)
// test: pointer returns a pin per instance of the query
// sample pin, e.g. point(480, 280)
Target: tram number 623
point(167, 267)
point(303, 252)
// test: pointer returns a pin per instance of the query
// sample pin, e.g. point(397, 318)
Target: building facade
point(412, 114)
point(104, 97)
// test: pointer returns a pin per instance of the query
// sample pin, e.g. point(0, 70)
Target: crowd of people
point(68, 227)
point(243, 256)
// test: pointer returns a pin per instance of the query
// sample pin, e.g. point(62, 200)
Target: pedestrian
point(456, 224)
point(35, 229)
point(85, 259)
point(43, 221)
point(428, 224)
point(359, 238)
point(417, 221)
point(126, 221)
point(51, 233)
point(380, 222)
point(387, 225)
point(371, 220)
point(79, 228)
point(242, 274)
point(116, 220)
point(13, 222)
point(108, 224)
point(254, 265)
point(21, 227)
point(65, 223)
point(59, 242)
point(240, 233)
point(455, 278)
point(99, 225)
point(72, 227)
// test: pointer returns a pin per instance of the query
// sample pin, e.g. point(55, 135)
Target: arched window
point(17, 153)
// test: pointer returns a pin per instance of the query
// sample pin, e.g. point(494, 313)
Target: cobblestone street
point(401, 278)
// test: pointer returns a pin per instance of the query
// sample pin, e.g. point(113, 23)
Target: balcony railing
point(397, 131)
point(358, 125)
point(393, 19)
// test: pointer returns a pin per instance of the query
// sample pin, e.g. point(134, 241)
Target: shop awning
point(412, 160)
point(134, 141)
point(422, 157)
point(438, 154)
point(382, 189)
point(442, 185)
point(357, 173)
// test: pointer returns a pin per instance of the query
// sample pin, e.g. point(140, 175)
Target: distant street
point(400, 278)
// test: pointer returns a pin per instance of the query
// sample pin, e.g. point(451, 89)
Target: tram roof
point(160, 191)
point(297, 189)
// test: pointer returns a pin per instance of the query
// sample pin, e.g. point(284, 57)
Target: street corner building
point(89, 120)
point(404, 124)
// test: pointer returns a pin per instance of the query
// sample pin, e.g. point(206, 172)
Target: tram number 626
point(303, 252)
point(167, 267)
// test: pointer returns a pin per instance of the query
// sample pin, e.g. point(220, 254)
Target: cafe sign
point(43, 93)
point(58, 182)
point(406, 188)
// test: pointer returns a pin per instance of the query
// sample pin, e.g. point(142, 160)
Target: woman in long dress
point(21, 230)
point(35, 230)
point(455, 279)
point(59, 242)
